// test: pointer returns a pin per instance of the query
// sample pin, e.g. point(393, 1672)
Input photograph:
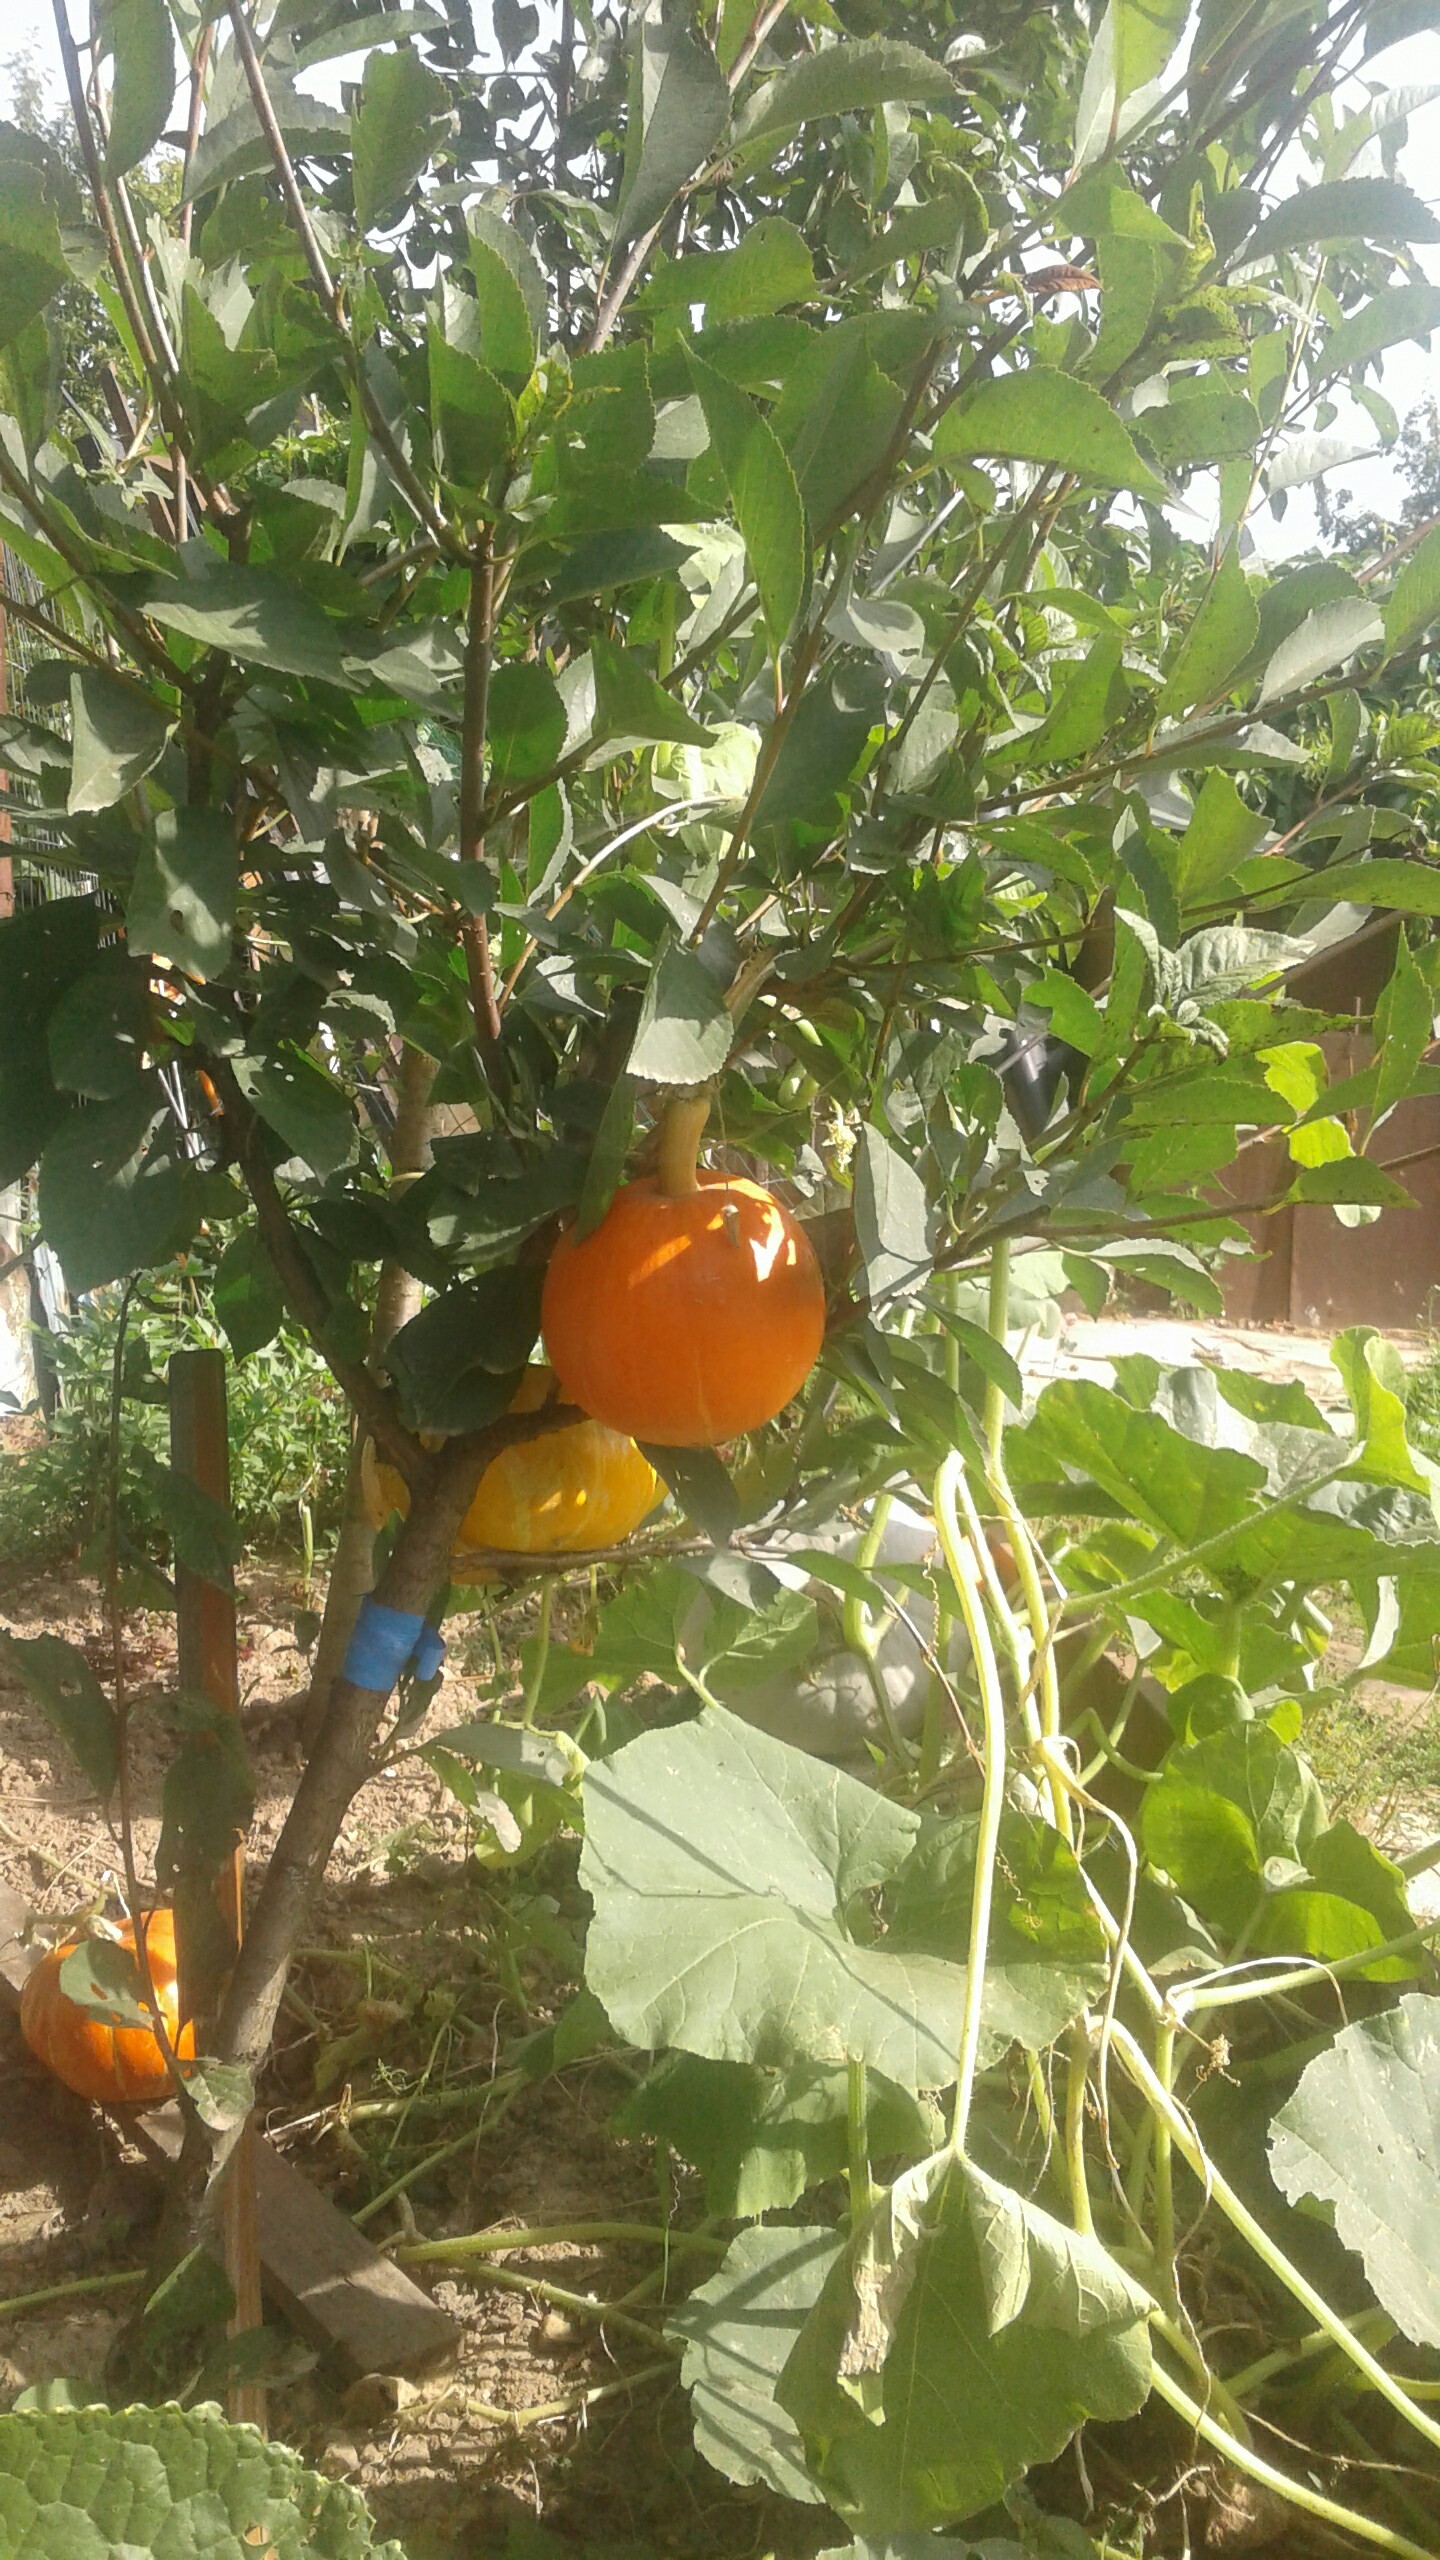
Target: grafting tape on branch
point(388, 1643)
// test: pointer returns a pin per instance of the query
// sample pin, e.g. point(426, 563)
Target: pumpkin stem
point(681, 1131)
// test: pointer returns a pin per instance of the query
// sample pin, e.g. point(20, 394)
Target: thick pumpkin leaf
point(722, 1867)
point(760, 2138)
point(1362, 2136)
point(738, 2331)
point(963, 2337)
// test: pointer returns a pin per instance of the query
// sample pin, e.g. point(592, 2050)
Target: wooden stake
point(205, 1617)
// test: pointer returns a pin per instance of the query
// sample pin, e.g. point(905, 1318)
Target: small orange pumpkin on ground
point(110, 2064)
point(694, 1311)
point(574, 1489)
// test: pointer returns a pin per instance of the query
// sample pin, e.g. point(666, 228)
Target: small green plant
point(288, 1432)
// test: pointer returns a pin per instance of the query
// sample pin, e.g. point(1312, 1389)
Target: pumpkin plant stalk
point(965, 1574)
point(536, 1681)
point(1221, 2193)
point(681, 1131)
point(857, 2121)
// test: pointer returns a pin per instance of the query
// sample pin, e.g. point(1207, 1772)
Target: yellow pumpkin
point(571, 1491)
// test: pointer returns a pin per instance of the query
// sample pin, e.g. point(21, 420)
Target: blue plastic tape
point(386, 1644)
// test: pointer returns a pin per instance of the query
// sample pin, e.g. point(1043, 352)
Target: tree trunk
point(396, 1299)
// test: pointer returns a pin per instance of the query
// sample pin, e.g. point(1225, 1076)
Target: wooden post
point(205, 1618)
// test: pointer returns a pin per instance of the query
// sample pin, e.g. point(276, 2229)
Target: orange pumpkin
point(96, 2060)
point(575, 1489)
point(694, 1311)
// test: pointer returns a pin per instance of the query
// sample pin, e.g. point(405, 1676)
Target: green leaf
point(43, 950)
point(182, 900)
point(684, 1034)
point(458, 1363)
point(722, 1865)
point(112, 1198)
point(172, 2484)
point(32, 257)
point(760, 2138)
point(202, 1530)
point(1414, 601)
point(137, 34)
point(948, 220)
point(507, 340)
point(399, 121)
point(258, 615)
point(1218, 641)
point(100, 1029)
point(738, 2331)
point(1043, 416)
point(1091, 697)
point(767, 270)
point(1131, 273)
point(1404, 1028)
point(490, 231)
point(1133, 43)
point(836, 417)
point(606, 1167)
point(1224, 831)
point(1187, 1492)
point(248, 1298)
point(823, 745)
point(209, 1792)
point(1352, 1182)
point(891, 1216)
point(305, 1107)
point(1047, 1955)
point(702, 1486)
point(70, 1698)
point(959, 2295)
point(1376, 1388)
point(1338, 211)
point(840, 80)
point(525, 723)
point(1209, 426)
point(235, 146)
point(1222, 1809)
point(1401, 311)
point(104, 1980)
point(474, 413)
point(1353, 1898)
point(629, 704)
point(118, 735)
point(679, 107)
point(763, 495)
point(357, 35)
point(1361, 2136)
point(1326, 638)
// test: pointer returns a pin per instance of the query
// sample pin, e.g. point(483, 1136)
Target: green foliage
point(674, 593)
point(287, 1436)
point(169, 2480)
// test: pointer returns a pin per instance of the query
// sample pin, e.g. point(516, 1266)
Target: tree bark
point(396, 1299)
